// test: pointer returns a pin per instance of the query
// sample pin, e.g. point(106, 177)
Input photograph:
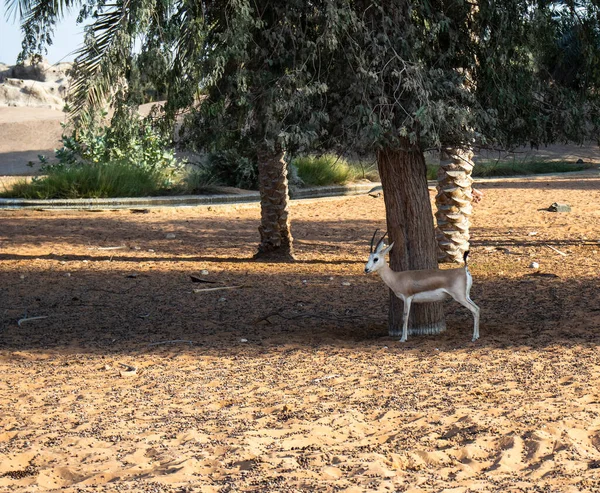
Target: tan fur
point(419, 286)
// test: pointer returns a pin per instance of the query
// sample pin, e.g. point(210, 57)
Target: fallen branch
point(171, 342)
point(130, 368)
point(20, 321)
point(328, 377)
point(556, 250)
point(217, 289)
point(112, 248)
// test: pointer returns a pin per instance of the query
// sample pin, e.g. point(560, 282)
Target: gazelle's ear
point(387, 249)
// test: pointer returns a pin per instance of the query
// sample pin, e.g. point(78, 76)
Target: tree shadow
point(113, 312)
point(114, 283)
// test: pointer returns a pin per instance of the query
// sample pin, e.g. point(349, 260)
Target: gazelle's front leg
point(407, 302)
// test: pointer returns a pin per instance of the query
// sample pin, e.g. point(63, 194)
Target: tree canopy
point(348, 75)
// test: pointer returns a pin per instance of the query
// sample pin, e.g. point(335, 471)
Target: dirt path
point(290, 383)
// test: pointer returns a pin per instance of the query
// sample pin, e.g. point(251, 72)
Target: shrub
point(115, 179)
point(128, 158)
point(514, 168)
point(230, 168)
point(130, 139)
point(323, 170)
point(198, 180)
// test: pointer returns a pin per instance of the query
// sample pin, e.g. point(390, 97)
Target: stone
point(556, 207)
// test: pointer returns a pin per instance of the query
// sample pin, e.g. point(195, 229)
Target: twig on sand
point(121, 247)
point(175, 341)
point(556, 250)
point(27, 319)
point(128, 368)
point(203, 290)
point(328, 377)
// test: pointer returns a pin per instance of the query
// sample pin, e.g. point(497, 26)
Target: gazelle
point(423, 286)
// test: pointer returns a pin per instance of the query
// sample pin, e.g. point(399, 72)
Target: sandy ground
point(291, 383)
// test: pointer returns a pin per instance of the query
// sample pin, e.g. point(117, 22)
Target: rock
point(38, 85)
point(171, 236)
point(556, 207)
point(580, 161)
point(30, 71)
point(534, 265)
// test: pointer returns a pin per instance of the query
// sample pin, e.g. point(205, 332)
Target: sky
point(68, 36)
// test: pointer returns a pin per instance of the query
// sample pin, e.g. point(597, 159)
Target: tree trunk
point(276, 240)
point(410, 227)
point(453, 202)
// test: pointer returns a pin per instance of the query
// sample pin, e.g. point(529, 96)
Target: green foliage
point(198, 180)
point(489, 169)
point(323, 170)
point(130, 140)
point(116, 179)
point(232, 169)
point(260, 75)
point(533, 167)
point(130, 157)
point(329, 169)
point(358, 75)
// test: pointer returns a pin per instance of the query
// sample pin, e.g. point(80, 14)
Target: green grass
point(197, 181)
point(515, 168)
point(122, 180)
point(329, 169)
point(92, 181)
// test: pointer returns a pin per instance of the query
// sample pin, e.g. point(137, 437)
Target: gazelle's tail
point(465, 255)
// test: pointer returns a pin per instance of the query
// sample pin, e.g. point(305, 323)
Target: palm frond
point(102, 61)
point(38, 20)
point(16, 9)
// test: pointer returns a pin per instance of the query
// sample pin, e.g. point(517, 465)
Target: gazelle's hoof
point(403, 339)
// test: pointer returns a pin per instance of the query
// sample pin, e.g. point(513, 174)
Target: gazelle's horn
point(373, 239)
point(380, 242)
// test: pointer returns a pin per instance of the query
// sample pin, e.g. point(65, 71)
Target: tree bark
point(276, 240)
point(410, 227)
point(453, 203)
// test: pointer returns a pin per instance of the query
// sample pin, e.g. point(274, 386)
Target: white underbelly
point(430, 296)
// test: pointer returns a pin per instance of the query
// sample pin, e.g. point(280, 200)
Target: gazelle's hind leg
point(466, 301)
point(405, 315)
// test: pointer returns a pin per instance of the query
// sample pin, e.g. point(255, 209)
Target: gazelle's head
point(377, 256)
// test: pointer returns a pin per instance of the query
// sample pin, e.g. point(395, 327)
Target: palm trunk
point(275, 234)
point(410, 227)
point(453, 203)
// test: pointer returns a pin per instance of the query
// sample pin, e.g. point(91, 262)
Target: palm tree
point(255, 71)
point(453, 203)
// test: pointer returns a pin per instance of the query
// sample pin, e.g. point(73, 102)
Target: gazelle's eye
point(375, 259)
